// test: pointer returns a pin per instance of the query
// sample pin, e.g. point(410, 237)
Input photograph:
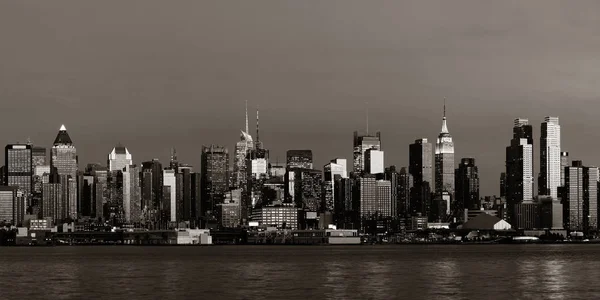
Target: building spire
point(444, 125)
point(247, 116)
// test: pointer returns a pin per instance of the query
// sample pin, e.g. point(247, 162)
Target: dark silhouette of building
point(152, 184)
point(405, 184)
point(362, 143)
point(467, 187)
point(519, 167)
point(215, 177)
point(299, 159)
point(420, 167)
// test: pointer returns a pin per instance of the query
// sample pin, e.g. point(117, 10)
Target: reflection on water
point(271, 272)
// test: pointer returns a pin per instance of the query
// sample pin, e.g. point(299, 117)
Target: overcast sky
point(159, 74)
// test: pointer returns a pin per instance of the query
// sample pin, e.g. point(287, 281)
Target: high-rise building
point(152, 185)
point(519, 166)
point(306, 187)
point(375, 198)
point(18, 168)
point(214, 170)
point(392, 175)
point(39, 156)
point(580, 205)
point(550, 158)
point(503, 184)
point(564, 162)
point(119, 158)
point(336, 167)
point(184, 204)
point(242, 147)
point(299, 159)
point(114, 202)
point(132, 194)
point(405, 184)
point(51, 201)
point(363, 143)
point(444, 161)
point(467, 187)
point(373, 162)
point(420, 167)
point(64, 154)
point(170, 182)
point(11, 206)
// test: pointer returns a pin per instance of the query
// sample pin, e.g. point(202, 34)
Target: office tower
point(336, 167)
point(304, 187)
point(299, 159)
point(170, 200)
point(393, 177)
point(119, 158)
point(230, 209)
point(242, 147)
point(467, 187)
point(444, 161)
point(405, 184)
point(39, 156)
point(346, 211)
point(375, 198)
point(18, 168)
point(71, 196)
point(420, 167)
point(503, 184)
point(173, 162)
point(519, 166)
point(152, 184)
point(87, 188)
point(51, 201)
point(132, 194)
point(101, 193)
point(214, 170)
point(12, 206)
point(115, 200)
point(564, 162)
point(550, 158)
point(580, 205)
point(184, 193)
point(373, 162)
point(64, 154)
point(361, 144)
point(196, 205)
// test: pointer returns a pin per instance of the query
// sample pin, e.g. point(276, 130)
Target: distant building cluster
point(372, 197)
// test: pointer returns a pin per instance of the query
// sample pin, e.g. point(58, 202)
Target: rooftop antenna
point(444, 107)
point(367, 114)
point(257, 135)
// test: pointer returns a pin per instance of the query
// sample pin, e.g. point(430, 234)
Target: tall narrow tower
point(550, 158)
point(444, 160)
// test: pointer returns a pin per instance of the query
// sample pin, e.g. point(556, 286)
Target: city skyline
point(510, 64)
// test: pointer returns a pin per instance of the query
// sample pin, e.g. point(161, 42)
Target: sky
point(154, 74)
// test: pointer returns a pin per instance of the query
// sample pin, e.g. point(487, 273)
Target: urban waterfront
point(297, 272)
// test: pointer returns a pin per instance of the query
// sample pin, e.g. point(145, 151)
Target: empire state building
point(444, 160)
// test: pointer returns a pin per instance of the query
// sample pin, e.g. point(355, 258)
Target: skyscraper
point(299, 159)
point(420, 167)
point(564, 162)
point(39, 156)
point(132, 194)
point(467, 187)
point(18, 167)
point(361, 144)
point(550, 158)
point(64, 154)
point(152, 184)
point(405, 184)
point(170, 184)
point(242, 147)
point(8, 198)
point(375, 198)
point(581, 202)
point(119, 158)
point(444, 161)
point(373, 162)
point(214, 170)
point(519, 166)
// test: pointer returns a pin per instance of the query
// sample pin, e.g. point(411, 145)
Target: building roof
point(62, 138)
point(482, 221)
